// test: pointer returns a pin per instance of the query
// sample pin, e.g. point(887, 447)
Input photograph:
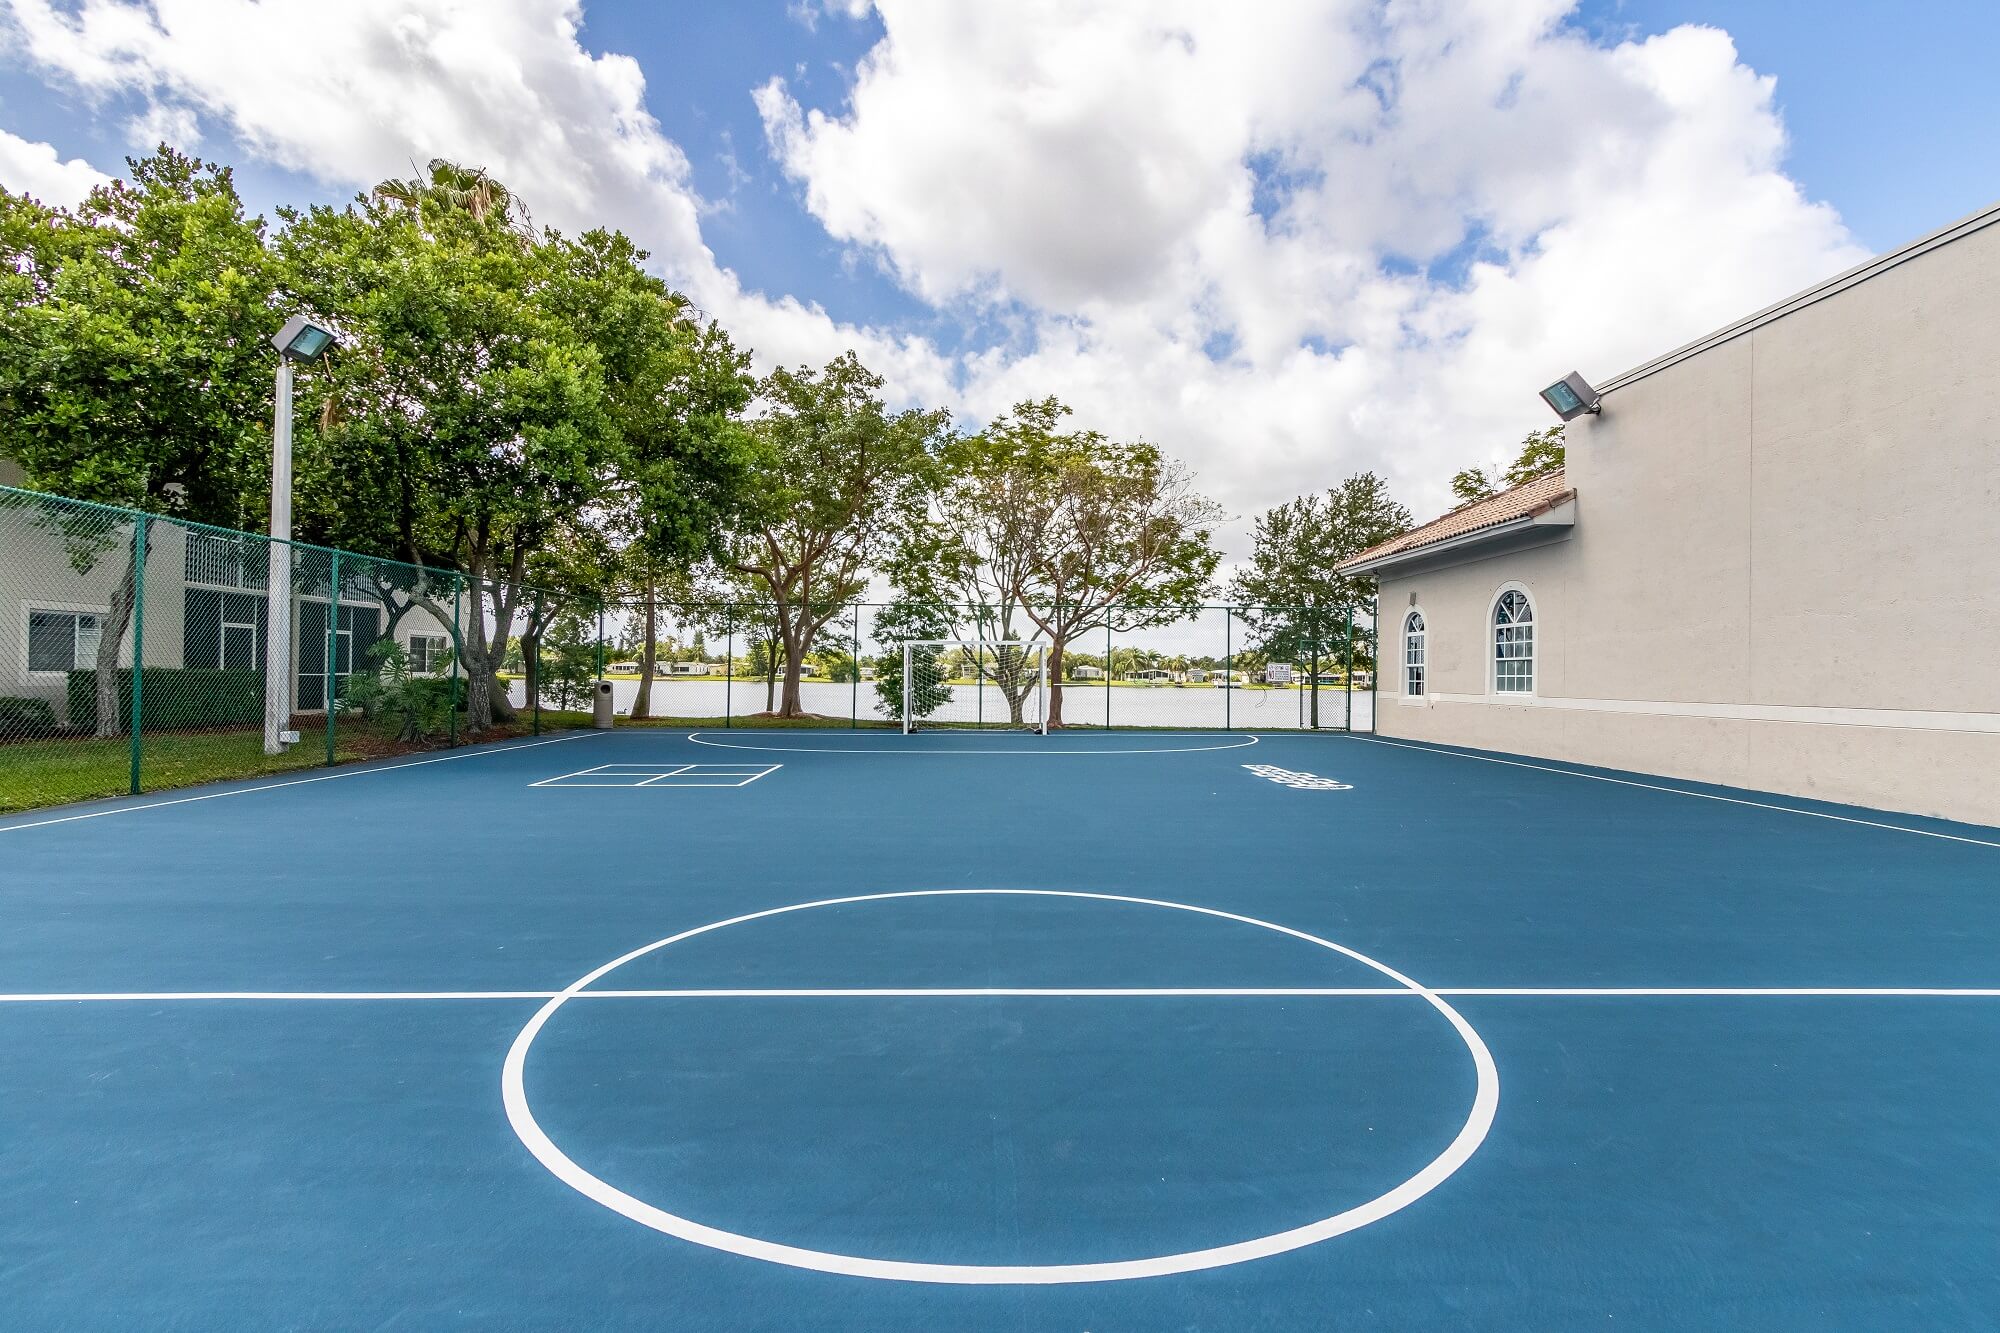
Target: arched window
point(1513, 643)
point(1413, 653)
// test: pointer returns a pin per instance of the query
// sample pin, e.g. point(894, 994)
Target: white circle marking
point(1485, 1102)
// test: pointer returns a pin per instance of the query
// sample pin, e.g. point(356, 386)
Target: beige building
point(1772, 560)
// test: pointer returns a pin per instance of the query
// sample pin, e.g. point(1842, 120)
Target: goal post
point(964, 684)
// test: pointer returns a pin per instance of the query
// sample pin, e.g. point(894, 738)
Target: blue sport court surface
point(961, 1031)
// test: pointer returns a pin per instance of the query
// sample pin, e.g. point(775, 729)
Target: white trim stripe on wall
point(1908, 719)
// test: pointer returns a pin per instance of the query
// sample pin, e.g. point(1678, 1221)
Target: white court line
point(475, 752)
point(1680, 791)
point(1032, 751)
point(1039, 992)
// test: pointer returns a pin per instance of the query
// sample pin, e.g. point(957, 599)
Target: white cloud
point(354, 92)
point(37, 170)
point(1099, 165)
point(1211, 225)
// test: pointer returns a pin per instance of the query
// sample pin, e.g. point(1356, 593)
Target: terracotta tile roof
point(1529, 498)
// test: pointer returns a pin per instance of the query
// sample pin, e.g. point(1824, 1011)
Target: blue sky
point(1258, 239)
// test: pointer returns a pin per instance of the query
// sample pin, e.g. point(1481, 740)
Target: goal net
point(969, 683)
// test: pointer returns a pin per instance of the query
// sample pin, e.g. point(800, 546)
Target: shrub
point(25, 719)
point(174, 698)
point(414, 707)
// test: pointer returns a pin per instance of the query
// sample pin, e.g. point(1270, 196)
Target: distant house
point(693, 668)
point(1195, 676)
point(1086, 673)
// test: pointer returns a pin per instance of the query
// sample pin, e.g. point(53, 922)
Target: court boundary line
point(1680, 791)
point(474, 752)
point(1026, 992)
point(695, 737)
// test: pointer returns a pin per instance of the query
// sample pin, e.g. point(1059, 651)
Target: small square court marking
point(662, 775)
point(1285, 777)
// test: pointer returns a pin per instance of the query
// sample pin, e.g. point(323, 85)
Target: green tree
point(468, 424)
point(1290, 592)
point(903, 620)
point(1121, 539)
point(1541, 453)
point(135, 362)
point(835, 477)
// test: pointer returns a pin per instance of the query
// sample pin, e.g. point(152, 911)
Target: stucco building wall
point(1784, 572)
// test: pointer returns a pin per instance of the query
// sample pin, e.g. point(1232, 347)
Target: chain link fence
point(139, 652)
point(723, 665)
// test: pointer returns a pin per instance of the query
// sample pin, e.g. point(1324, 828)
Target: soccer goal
point(969, 683)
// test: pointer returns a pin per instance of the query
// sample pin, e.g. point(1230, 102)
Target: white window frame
point(1534, 653)
point(1423, 663)
point(432, 656)
point(28, 610)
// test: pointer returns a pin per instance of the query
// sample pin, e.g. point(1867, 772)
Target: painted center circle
point(1478, 1121)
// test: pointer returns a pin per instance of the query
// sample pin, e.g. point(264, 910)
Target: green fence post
point(534, 667)
point(1350, 670)
point(137, 685)
point(728, 664)
point(457, 597)
point(1107, 675)
point(1312, 674)
point(854, 704)
point(1228, 667)
point(332, 680)
point(600, 641)
point(1375, 677)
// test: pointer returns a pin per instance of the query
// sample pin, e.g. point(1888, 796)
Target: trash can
point(602, 706)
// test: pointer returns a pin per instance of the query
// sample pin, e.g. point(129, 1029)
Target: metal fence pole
point(137, 683)
point(332, 679)
point(728, 665)
point(534, 667)
point(600, 641)
point(1312, 676)
point(457, 650)
point(1107, 675)
point(1350, 670)
point(1228, 667)
point(854, 704)
point(1375, 677)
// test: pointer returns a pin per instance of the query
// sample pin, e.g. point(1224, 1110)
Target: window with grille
point(427, 652)
point(1413, 653)
point(1513, 643)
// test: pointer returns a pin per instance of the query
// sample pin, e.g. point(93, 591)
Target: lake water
point(1195, 707)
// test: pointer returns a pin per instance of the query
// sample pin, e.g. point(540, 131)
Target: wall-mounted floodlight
point(1571, 396)
point(301, 339)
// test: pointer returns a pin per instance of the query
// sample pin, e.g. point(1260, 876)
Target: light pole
point(300, 340)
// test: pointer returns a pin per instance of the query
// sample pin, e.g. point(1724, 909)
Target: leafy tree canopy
point(1541, 453)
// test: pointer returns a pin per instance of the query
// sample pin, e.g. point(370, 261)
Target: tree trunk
point(531, 664)
point(795, 656)
point(110, 638)
point(649, 656)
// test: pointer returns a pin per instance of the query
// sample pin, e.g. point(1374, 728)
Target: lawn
point(55, 772)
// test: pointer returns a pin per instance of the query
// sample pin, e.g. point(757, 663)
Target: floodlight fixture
point(302, 340)
point(1571, 396)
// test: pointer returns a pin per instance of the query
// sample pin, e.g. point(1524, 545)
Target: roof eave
point(1560, 514)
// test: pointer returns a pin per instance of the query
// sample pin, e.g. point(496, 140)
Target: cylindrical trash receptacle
point(602, 710)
